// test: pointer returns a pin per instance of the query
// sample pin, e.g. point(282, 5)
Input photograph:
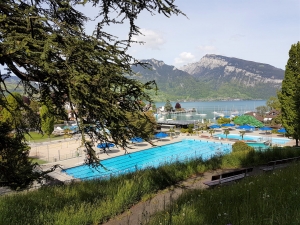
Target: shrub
point(183, 130)
point(241, 146)
point(190, 128)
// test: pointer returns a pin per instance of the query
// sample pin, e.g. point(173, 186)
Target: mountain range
point(214, 77)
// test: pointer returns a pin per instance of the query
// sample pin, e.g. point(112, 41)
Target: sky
point(255, 30)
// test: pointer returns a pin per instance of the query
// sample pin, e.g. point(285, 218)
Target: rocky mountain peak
point(209, 61)
point(156, 63)
point(221, 66)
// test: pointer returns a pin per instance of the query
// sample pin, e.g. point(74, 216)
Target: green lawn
point(38, 137)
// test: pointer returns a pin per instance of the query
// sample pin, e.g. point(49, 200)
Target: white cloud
point(152, 39)
point(207, 48)
point(184, 58)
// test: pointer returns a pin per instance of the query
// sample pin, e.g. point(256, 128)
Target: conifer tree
point(47, 119)
point(16, 169)
point(289, 96)
point(12, 113)
point(168, 106)
point(44, 43)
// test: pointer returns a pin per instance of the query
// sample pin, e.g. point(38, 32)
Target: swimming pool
point(278, 141)
point(258, 145)
point(185, 150)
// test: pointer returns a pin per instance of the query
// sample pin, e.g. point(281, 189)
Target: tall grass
point(91, 202)
point(94, 202)
point(271, 198)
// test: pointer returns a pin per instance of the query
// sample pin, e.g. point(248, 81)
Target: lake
point(212, 109)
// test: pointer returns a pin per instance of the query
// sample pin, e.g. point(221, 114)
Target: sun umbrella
point(214, 126)
point(246, 127)
point(266, 128)
point(105, 145)
point(161, 135)
point(227, 125)
point(282, 130)
point(136, 140)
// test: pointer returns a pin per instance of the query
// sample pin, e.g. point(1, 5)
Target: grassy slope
point(271, 198)
point(93, 202)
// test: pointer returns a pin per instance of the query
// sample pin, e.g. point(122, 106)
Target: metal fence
point(60, 157)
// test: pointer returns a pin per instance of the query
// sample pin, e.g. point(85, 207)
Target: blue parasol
point(266, 128)
point(105, 145)
point(246, 127)
point(227, 125)
point(214, 126)
point(161, 135)
point(136, 140)
point(282, 130)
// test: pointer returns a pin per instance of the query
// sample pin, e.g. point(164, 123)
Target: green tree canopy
point(289, 96)
point(226, 132)
point(145, 121)
point(223, 120)
point(47, 119)
point(12, 110)
point(168, 106)
point(274, 103)
point(261, 110)
point(177, 106)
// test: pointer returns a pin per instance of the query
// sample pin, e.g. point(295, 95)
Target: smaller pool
point(258, 145)
point(278, 141)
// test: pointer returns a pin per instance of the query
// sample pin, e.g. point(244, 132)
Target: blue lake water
point(185, 150)
point(212, 109)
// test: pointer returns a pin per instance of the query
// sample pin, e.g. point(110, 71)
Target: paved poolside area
point(68, 148)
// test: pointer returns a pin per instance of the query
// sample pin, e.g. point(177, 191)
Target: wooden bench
point(228, 177)
point(276, 164)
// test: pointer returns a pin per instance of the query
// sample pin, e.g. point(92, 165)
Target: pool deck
point(67, 146)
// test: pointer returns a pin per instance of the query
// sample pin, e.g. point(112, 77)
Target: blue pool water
point(278, 141)
point(153, 157)
point(258, 145)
